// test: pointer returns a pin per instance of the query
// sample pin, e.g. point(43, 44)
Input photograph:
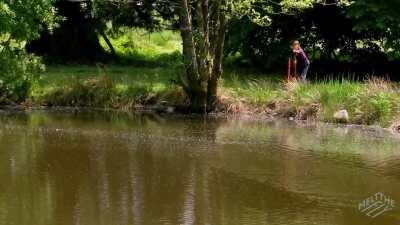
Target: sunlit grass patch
point(146, 48)
point(252, 88)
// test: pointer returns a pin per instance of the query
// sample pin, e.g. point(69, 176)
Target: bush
point(18, 70)
point(21, 21)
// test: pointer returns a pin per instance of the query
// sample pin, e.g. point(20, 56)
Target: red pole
point(295, 66)
point(288, 69)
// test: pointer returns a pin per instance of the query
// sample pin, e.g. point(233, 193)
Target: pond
point(95, 168)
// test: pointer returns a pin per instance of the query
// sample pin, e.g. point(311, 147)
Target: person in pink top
point(300, 57)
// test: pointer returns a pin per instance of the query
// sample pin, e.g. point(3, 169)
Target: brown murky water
point(103, 168)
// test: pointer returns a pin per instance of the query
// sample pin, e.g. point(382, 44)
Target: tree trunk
point(108, 42)
point(203, 42)
point(217, 71)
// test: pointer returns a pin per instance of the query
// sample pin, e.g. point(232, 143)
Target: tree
point(366, 40)
point(202, 26)
point(381, 20)
point(84, 21)
point(203, 35)
point(20, 21)
point(314, 26)
point(112, 15)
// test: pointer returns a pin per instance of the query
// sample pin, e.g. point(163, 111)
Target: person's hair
point(295, 42)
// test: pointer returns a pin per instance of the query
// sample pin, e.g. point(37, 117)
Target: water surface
point(118, 169)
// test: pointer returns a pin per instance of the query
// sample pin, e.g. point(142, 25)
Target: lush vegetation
point(201, 56)
point(20, 21)
point(372, 102)
point(144, 48)
point(367, 38)
point(154, 85)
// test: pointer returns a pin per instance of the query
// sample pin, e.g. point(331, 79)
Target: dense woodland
point(340, 36)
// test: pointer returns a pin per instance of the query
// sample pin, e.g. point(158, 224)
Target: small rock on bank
point(342, 116)
point(396, 127)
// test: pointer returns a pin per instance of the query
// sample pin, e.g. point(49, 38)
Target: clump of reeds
point(92, 92)
point(379, 84)
point(291, 85)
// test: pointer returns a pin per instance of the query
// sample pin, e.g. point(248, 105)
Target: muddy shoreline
point(162, 112)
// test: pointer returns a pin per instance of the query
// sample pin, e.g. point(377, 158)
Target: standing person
point(301, 59)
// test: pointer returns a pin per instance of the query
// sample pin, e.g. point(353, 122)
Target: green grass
point(141, 47)
point(113, 86)
point(372, 102)
point(154, 66)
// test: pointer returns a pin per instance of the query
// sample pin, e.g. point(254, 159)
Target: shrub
point(18, 70)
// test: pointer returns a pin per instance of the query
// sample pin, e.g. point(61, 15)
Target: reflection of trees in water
point(147, 170)
point(315, 161)
point(148, 179)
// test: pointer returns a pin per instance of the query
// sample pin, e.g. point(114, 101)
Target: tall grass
point(373, 102)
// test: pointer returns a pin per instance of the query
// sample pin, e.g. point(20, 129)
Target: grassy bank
point(374, 101)
point(154, 61)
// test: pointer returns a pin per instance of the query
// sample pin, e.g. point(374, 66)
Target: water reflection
point(106, 168)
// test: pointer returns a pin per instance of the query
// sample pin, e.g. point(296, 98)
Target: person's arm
point(306, 59)
point(304, 56)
